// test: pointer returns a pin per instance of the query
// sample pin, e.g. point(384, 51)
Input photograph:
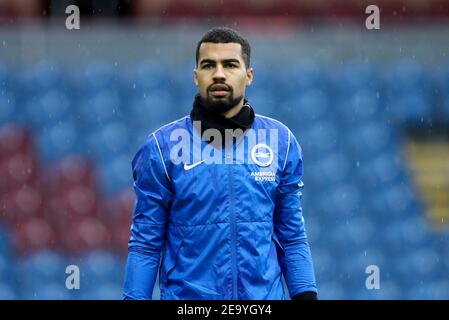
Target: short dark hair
point(225, 35)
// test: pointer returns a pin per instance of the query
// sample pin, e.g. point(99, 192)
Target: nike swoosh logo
point(193, 165)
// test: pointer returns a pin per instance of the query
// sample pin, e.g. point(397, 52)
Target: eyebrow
point(223, 61)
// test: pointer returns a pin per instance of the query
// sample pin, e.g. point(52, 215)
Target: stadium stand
point(67, 138)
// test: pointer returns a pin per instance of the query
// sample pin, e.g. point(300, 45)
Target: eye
point(231, 65)
point(207, 66)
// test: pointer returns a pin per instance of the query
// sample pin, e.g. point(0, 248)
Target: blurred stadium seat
point(355, 76)
point(7, 107)
point(441, 82)
point(42, 77)
point(42, 275)
point(32, 234)
point(101, 266)
point(97, 75)
point(409, 94)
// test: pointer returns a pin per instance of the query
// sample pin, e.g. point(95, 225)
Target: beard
point(220, 105)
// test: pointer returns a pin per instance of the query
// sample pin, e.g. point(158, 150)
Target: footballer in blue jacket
point(218, 194)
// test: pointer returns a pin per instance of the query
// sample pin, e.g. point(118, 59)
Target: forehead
point(220, 51)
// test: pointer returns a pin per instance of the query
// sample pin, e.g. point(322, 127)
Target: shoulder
point(264, 122)
point(288, 145)
point(156, 141)
point(288, 141)
point(166, 129)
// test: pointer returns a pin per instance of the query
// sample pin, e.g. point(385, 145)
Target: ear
point(195, 76)
point(249, 76)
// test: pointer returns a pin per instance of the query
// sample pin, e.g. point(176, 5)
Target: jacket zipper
point(233, 235)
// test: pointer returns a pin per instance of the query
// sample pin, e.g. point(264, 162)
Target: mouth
point(219, 90)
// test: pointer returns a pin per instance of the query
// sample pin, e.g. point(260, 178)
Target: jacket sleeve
point(149, 218)
point(296, 259)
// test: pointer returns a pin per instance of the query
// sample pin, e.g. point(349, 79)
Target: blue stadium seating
point(181, 87)
point(332, 290)
point(302, 76)
point(42, 275)
point(7, 107)
point(395, 203)
point(303, 110)
point(367, 140)
point(324, 263)
point(383, 171)
point(263, 100)
point(4, 75)
point(312, 104)
point(359, 202)
point(429, 290)
point(6, 269)
point(45, 75)
point(153, 108)
point(100, 266)
point(441, 83)
point(109, 141)
point(57, 141)
point(359, 107)
point(357, 267)
point(116, 173)
point(344, 200)
point(47, 291)
point(99, 108)
point(388, 290)
point(97, 75)
point(322, 138)
point(406, 234)
point(8, 292)
point(409, 94)
point(355, 76)
point(335, 168)
point(104, 291)
point(418, 266)
point(5, 240)
point(150, 75)
point(46, 108)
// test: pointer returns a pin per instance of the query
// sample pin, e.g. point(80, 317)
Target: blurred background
point(369, 107)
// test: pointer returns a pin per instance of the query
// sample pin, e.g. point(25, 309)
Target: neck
point(234, 110)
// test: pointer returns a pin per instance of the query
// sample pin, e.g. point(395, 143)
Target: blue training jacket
point(218, 230)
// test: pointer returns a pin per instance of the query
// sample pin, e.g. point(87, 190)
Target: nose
point(219, 74)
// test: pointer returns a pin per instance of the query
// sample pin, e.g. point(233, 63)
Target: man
point(218, 194)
